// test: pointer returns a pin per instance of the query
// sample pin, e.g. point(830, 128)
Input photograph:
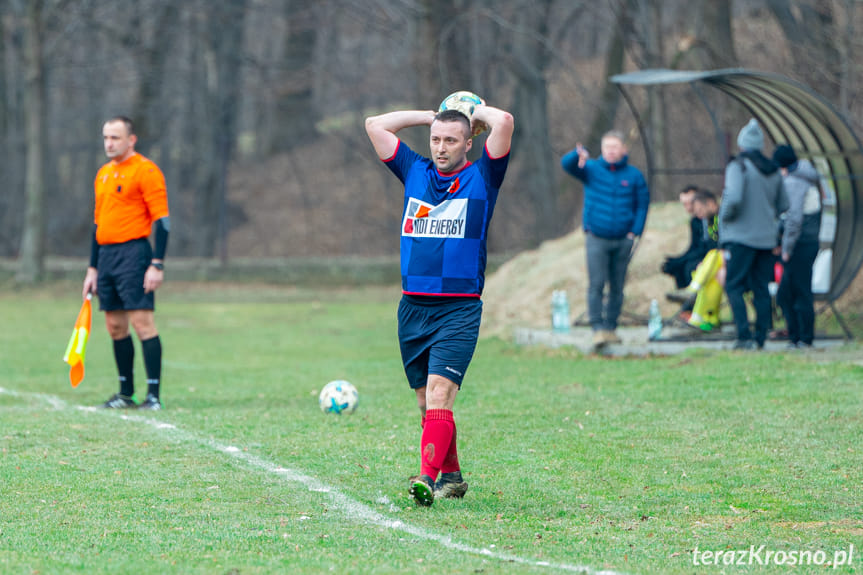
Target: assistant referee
point(125, 271)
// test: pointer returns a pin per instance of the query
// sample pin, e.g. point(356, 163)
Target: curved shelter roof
point(791, 112)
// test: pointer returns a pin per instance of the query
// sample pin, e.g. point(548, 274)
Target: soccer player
point(125, 271)
point(448, 204)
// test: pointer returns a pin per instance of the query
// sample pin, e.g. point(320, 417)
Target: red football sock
point(436, 439)
point(450, 462)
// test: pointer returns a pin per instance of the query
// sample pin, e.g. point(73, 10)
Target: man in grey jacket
point(752, 200)
point(799, 245)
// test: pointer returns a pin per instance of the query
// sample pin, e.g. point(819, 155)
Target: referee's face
point(449, 144)
point(119, 143)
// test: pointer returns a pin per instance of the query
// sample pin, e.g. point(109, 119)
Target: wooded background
point(254, 108)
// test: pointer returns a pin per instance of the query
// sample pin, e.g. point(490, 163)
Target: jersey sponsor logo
point(454, 186)
point(446, 220)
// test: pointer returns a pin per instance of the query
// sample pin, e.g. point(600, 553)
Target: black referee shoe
point(152, 403)
point(118, 401)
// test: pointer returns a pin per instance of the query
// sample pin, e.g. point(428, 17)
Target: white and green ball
point(339, 397)
point(463, 101)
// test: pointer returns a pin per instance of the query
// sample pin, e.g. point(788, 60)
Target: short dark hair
point(689, 188)
point(454, 116)
point(130, 126)
point(704, 196)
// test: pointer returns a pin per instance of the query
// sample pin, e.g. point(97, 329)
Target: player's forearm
point(382, 129)
point(501, 125)
point(494, 118)
point(392, 122)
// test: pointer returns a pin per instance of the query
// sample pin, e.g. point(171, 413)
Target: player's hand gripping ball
point(339, 397)
point(465, 102)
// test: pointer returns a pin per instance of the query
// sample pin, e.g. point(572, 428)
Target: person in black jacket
point(681, 267)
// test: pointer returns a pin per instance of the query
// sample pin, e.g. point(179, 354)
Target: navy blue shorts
point(437, 336)
point(121, 276)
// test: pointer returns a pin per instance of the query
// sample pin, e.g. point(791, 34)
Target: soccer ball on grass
point(339, 397)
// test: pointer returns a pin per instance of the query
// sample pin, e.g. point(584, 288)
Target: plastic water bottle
point(559, 312)
point(654, 322)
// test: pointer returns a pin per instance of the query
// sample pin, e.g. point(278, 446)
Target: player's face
point(705, 210)
point(449, 145)
point(119, 143)
point(687, 199)
point(613, 150)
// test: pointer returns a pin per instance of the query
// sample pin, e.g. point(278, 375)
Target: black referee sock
point(153, 363)
point(124, 355)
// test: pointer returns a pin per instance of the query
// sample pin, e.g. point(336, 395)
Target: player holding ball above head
point(125, 271)
point(448, 204)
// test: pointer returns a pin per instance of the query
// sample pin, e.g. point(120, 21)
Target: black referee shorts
point(121, 276)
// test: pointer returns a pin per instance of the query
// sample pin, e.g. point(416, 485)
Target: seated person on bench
point(681, 267)
point(704, 292)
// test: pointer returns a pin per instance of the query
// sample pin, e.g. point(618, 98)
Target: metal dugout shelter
point(789, 112)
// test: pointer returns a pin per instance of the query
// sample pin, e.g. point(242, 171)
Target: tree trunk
point(603, 121)
point(811, 40)
point(151, 64)
point(709, 42)
point(296, 113)
point(847, 68)
point(530, 109)
point(658, 111)
point(218, 87)
point(32, 252)
point(441, 54)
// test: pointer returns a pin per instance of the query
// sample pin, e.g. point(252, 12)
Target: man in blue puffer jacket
point(615, 209)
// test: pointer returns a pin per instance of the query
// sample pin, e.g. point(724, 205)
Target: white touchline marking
point(350, 507)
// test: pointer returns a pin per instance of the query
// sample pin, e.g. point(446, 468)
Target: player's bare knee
point(440, 392)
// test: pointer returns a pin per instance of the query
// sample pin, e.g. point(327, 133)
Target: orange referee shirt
point(130, 196)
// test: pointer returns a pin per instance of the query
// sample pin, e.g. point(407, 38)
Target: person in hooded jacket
point(799, 245)
point(752, 200)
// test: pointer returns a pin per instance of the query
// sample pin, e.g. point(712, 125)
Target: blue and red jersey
point(445, 222)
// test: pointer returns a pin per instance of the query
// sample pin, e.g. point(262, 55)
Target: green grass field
point(624, 465)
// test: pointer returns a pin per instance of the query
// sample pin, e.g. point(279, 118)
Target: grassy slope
point(625, 464)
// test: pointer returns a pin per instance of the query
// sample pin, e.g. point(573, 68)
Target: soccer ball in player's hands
point(339, 397)
point(465, 102)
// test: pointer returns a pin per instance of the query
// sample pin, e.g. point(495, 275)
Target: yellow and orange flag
point(77, 347)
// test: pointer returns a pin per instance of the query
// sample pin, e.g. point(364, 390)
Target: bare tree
point(529, 61)
point(708, 41)
point(811, 31)
point(657, 106)
point(219, 39)
point(32, 252)
point(440, 56)
point(609, 100)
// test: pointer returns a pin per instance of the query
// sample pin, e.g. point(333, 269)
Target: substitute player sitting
point(448, 204)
